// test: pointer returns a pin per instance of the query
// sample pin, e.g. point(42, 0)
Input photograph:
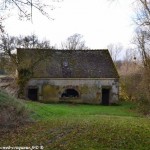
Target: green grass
point(52, 111)
point(8, 101)
point(81, 127)
point(91, 133)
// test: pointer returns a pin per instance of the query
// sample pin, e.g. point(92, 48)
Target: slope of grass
point(90, 133)
point(12, 110)
point(80, 127)
point(6, 99)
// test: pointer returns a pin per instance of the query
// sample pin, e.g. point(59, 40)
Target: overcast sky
point(99, 21)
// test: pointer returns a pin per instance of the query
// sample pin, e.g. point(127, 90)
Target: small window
point(65, 63)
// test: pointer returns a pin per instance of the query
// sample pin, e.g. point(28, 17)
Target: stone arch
point(70, 92)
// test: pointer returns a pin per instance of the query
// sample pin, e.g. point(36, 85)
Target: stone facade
point(89, 90)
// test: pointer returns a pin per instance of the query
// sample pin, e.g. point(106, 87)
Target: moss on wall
point(90, 91)
point(98, 96)
point(50, 92)
point(84, 89)
point(90, 94)
point(23, 78)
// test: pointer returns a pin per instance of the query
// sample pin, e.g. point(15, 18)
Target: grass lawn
point(81, 127)
point(55, 111)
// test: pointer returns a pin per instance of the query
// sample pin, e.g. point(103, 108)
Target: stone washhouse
point(78, 76)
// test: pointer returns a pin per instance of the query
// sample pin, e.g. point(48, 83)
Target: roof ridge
point(61, 49)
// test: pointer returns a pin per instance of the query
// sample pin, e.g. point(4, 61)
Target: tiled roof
point(73, 63)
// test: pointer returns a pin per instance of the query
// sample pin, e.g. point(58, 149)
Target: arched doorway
point(68, 93)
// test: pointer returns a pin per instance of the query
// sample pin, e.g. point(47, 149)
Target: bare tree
point(25, 9)
point(115, 50)
point(32, 41)
point(142, 39)
point(74, 42)
point(8, 45)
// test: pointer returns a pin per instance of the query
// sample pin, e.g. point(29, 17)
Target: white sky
point(99, 21)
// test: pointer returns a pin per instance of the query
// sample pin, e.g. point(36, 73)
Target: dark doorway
point(105, 96)
point(70, 93)
point(33, 94)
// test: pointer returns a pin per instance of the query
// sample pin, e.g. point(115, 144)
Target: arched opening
point(70, 93)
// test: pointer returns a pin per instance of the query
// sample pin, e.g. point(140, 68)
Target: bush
point(143, 101)
point(129, 86)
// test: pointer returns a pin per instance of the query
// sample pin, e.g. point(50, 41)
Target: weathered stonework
point(90, 90)
point(78, 76)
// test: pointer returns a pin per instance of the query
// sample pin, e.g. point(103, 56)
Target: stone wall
point(90, 90)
